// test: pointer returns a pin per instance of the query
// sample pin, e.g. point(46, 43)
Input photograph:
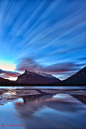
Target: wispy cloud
point(47, 31)
point(63, 68)
point(8, 74)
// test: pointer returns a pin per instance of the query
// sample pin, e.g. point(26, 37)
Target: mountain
point(5, 82)
point(77, 79)
point(46, 75)
point(30, 77)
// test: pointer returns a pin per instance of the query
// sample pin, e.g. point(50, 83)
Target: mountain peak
point(33, 77)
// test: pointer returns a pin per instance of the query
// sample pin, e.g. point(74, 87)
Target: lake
point(43, 107)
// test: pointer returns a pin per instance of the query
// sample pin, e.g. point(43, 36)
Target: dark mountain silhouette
point(77, 79)
point(33, 78)
point(36, 78)
point(5, 81)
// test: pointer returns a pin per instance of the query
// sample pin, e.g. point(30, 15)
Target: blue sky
point(51, 34)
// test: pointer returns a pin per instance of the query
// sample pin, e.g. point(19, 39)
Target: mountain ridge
point(32, 78)
point(77, 78)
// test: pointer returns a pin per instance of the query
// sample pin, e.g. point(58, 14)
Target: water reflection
point(49, 111)
point(36, 109)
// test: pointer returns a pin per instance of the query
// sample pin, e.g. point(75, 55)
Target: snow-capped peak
point(45, 75)
point(39, 73)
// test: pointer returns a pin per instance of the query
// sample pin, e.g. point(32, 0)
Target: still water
point(42, 108)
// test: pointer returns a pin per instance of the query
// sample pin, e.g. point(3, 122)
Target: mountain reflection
point(50, 111)
point(43, 108)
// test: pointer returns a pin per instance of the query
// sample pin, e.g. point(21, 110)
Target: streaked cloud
point(8, 74)
point(61, 69)
point(51, 33)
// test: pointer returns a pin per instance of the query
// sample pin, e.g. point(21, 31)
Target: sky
point(42, 35)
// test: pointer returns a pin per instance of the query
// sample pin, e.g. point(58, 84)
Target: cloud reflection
point(47, 112)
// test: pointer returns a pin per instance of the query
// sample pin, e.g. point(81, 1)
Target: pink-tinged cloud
point(4, 76)
point(11, 74)
point(8, 74)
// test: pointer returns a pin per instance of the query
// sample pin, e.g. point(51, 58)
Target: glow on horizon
point(12, 78)
point(6, 65)
point(9, 66)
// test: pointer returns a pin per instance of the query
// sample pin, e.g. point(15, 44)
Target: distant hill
point(77, 79)
point(5, 82)
point(30, 77)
